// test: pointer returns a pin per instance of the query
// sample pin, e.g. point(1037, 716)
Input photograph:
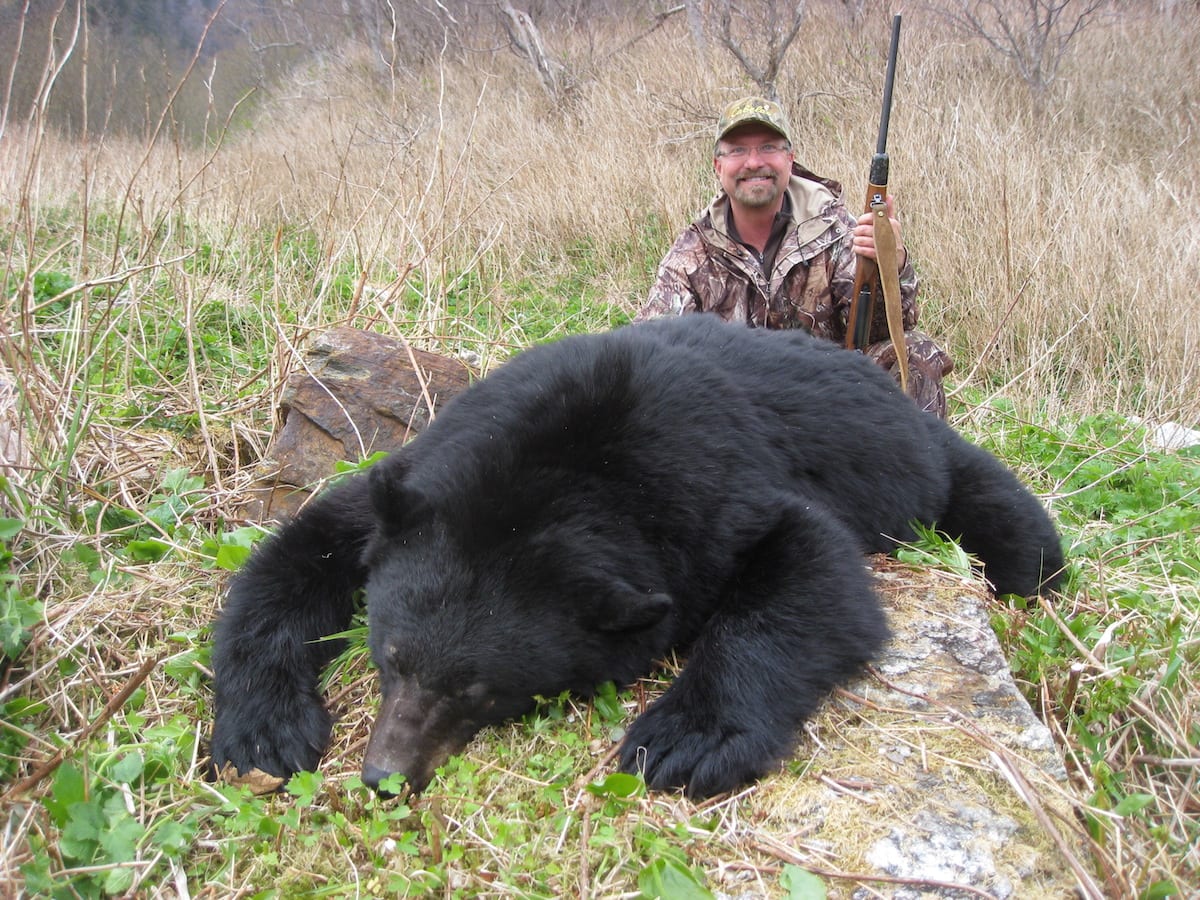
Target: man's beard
point(759, 193)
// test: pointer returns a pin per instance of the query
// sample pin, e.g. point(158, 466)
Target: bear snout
point(373, 776)
point(417, 731)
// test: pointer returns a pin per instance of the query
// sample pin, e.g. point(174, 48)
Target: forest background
point(191, 189)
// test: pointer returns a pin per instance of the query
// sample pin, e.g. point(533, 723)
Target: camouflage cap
point(755, 110)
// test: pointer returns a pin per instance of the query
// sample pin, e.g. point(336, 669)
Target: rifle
point(879, 276)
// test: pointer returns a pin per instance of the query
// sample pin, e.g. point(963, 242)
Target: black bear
point(592, 505)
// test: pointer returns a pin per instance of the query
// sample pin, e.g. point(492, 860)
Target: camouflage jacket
point(810, 284)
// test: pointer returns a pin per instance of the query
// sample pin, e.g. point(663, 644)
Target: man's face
point(755, 179)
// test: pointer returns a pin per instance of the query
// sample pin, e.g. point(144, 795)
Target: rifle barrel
point(888, 81)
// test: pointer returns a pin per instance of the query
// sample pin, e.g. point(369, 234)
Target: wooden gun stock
point(868, 287)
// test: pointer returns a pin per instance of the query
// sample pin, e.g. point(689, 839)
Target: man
point(777, 247)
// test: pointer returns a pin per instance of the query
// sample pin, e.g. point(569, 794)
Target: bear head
point(476, 611)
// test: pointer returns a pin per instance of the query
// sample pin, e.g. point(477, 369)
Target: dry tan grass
point(1056, 258)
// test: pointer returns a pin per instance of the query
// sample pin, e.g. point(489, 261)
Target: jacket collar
point(812, 199)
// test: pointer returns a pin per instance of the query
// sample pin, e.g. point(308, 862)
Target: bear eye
point(396, 661)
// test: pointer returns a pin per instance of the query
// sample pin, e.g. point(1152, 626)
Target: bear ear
point(394, 501)
point(625, 609)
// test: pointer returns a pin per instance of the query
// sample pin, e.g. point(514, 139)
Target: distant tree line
point(107, 64)
point(176, 25)
point(138, 52)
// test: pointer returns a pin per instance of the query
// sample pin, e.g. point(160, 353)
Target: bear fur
point(586, 509)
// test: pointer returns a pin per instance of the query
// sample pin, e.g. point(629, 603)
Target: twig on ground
point(115, 703)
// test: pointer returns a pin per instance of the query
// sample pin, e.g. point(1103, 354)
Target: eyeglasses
point(740, 152)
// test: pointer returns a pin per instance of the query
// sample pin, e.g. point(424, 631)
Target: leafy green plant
point(18, 717)
point(666, 879)
point(148, 533)
point(802, 884)
point(19, 613)
point(46, 287)
point(230, 550)
point(618, 786)
point(101, 842)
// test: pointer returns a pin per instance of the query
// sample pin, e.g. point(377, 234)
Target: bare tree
point(558, 79)
point(695, 20)
point(1033, 35)
point(758, 33)
point(526, 40)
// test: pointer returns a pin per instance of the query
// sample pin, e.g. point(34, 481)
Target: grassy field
point(157, 290)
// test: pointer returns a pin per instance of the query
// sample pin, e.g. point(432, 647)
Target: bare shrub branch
point(759, 22)
point(557, 79)
point(1033, 35)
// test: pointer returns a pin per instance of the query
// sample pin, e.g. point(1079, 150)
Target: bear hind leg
point(999, 520)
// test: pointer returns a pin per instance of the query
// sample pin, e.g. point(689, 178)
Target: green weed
point(1121, 667)
point(19, 612)
point(936, 550)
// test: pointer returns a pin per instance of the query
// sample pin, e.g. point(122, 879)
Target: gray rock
point(909, 773)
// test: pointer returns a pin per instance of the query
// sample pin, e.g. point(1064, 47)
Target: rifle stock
point(868, 288)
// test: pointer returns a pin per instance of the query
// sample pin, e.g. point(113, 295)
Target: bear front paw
point(288, 737)
point(704, 757)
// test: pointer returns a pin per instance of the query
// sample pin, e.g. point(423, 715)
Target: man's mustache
point(759, 173)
